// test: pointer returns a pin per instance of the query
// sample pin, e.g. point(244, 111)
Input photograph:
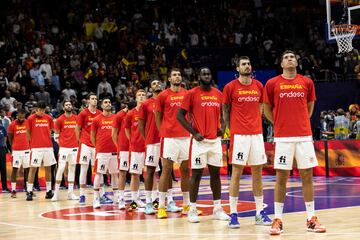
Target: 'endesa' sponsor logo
point(292, 95)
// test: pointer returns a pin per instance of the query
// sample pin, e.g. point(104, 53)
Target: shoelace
point(265, 217)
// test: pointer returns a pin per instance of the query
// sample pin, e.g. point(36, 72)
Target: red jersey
point(119, 122)
point(146, 113)
point(205, 109)
point(245, 117)
point(84, 120)
point(102, 126)
point(168, 103)
point(66, 128)
point(289, 99)
point(137, 143)
point(18, 131)
point(40, 129)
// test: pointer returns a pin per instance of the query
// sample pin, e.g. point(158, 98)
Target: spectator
point(341, 125)
point(30, 104)
point(46, 67)
point(104, 84)
point(68, 91)
point(42, 95)
point(8, 100)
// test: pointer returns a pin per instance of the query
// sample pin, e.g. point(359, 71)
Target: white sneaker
point(219, 214)
point(55, 198)
point(140, 203)
point(193, 216)
point(72, 196)
point(96, 203)
point(122, 204)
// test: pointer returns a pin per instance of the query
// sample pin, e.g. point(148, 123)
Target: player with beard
point(106, 153)
point(204, 105)
point(20, 148)
point(68, 149)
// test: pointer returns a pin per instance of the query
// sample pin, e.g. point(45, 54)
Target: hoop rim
point(348, 26)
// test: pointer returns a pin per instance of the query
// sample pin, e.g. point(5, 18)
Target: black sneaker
point(13, 194)
point(155, 204)
point(49, 195)
point(29, 196)
point(133, 206)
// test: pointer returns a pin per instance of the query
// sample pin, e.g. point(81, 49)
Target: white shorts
point(176, 149)
point(38, 155)
point(248, 149)
point(124, 160)
point(208, 151)
point(107, 162)
point(68, 155)
point(153, 155)
point(303, 152)
point(137, 160)
point(21, 158)
point(87, 154)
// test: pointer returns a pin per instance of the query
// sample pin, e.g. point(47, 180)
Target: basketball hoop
point(344, 34)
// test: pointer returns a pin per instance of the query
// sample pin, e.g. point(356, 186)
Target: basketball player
point(87, 149)
point(106, 152)
point(20, 148)
point(122, 144)
point(204, 105)
point(242, 109)
point(150, 134)
point(68, 149)
point(176, 142)
point(289, 102)
point(137, 150)
point(39, 132)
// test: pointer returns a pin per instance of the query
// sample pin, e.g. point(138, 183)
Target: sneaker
point(149, 209)
point(29, 196)
point(155, 204)
point(49, 194)
point(276, 227)
point(193, 216)
point(219, 214)
point(140, 203)
point(13, 194)
point(5, 190)
point(133, 206)
point(72, 196)
point(55, 198)
point(122, 204)
point(161, 214)
point(105, 200)
point(82, 200)
point(171, 207)
point(262, 219)
point(186, 209)
point(96, 203)
point(234, 223)
point(313, 225)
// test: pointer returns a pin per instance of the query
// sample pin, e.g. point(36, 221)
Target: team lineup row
point(176, 125)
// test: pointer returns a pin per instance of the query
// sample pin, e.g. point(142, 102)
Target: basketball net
point(344, 34)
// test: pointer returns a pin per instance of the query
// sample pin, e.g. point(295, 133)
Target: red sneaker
point(276, 227)
point(313, 225)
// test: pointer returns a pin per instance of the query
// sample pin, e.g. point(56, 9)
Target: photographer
point(341, 125)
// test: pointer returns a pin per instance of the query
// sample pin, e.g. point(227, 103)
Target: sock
point(102, 190)
point(233, 204)
point(148, 196)
point(310, 209)
point(186, 198)
point(169, 195)
point(138, 194)
point(57, 187)
point(121, 194)
point(162, 196)
point(116, 195)
point(134, 195)
point(217, 203)
point(30, 187)
point(192, 205)
point(82, 191)
point(96, 195)
point(259, 202)
point(154, 195)
point(48, 186)
point(279, 207)
point(70, 187)
point(13, 186)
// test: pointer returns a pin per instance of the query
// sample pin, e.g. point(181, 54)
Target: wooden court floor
point(337, 201)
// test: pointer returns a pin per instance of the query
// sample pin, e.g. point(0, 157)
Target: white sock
point(154, 195)
point(57, 187)
point(102, 190)
point(233, 204)
point(121, 194)
point(310, 209)
point(71, 187)
point(48, 186)
point(169, 195)
point(134, 195)
point(192, 205)
point(30, 187)
point(13, 186)
point(162, 196)
point(82, 191)
point(96, 195)
point(259, 202)
point(186, 198)
point(116, 195)
point(217, 203)
point(148, 196)
point(279, 207)
point(138, 194)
